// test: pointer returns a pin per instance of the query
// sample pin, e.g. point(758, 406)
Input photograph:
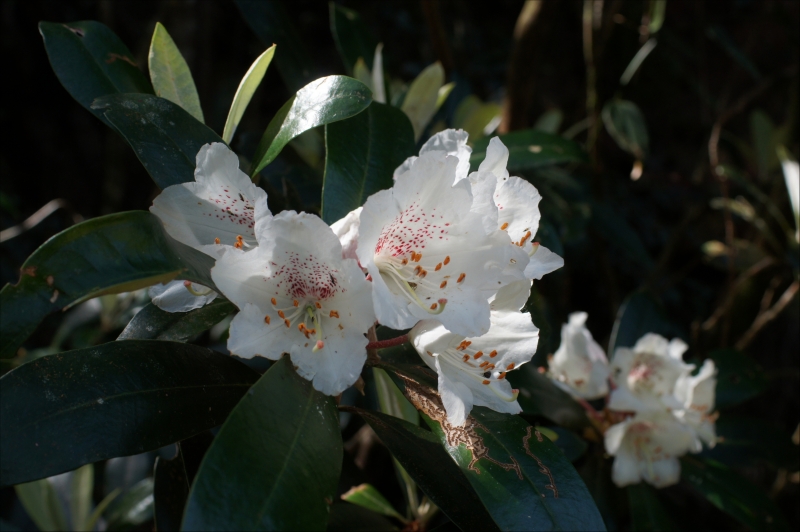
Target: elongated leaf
point(152, 323)
point(132, 509)
point(164, 137)
point(421, 100)
point(275, 463)
point(523, 479)
point(625, 123)
point(170, 492)
point(530, 149)
point(739, 378)
point(362, 152)
point(320, 102)
point(639, 314)
point(732, 494)
point(170, 75)
point(424, 459)
point(117, 399)
point(90, 61)
point(270, 22)
point(247, 87)
point(352, 37)
point(106, 255)
point(538, 396)
point(647, 512)
point(80, 497)
point(369, 497)
point(40, 500)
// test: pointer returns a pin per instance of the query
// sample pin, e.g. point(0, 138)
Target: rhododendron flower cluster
point(445, 252)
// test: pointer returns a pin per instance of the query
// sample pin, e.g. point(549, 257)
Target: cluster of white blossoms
point(446, 253)
point(663, 410)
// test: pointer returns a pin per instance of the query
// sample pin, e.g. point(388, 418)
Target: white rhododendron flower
point(472, 371)
point(428, 254)
point(645, 376)
point(697, 393)
point(297, 295)
point(450, 142)
point(579, 366)
point(647, 446)
point(346, 230)
point(219, 209)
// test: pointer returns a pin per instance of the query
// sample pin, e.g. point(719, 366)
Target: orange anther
point(296, 303)
point(502, 375)
point(461, 277)
point(477, 355)
point(493, 353)
point(281, 314)
point(484, 364)
point(447, 260)
point(238, 245)
point(239, 238)
point(485, 381)
point(504, 226)
point(266, 320)
point(287, 323)
point(422, 274)
point(301, 327)
point(417, 269)
point(466, 357)
point(216, 241)
point(318, 304)
point(273, 301)
point(438, 267)
point(433, 307)
point(510, 366)
point(444, 283)
point(404, 262)
point(334, 314)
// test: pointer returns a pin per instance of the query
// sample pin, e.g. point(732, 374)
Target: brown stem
point(372, 353)
point(765, 317)
point(383, 344)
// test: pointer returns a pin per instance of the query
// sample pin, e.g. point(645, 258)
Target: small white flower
point(647, 446)
point(472, 371)
point(645, 376)
point(297, 295)
point(219, 209)
point(579, 366)
point(697, 393)
point(429, 254)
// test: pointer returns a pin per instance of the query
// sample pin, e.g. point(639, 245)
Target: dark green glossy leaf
point(121, 398)
point(164, 137)
point(739, 378)
point(531, 149)
point(274, 464)
point(422, 456)
point(321, 102)
point(270, 22)
point(152, 323)
point(362, 153)
point(170, 492)
point(732, 494)
point(647, 512)
point(639, 314)
point(523, 479)
point(132, 509)
point(346, 517)
point(538, 396)
point(352, 38)
point(570, 444)
point(625, 123)
point(106, 255)
point(90, 61)
point(618, 233)
point(752, 441)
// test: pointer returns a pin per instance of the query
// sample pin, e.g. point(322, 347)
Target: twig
point(765, 317)
point(36, 218)
point(391, 342)
point(591, 78)
point(372, 353)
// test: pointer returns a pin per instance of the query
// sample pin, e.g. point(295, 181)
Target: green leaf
point(538, 396)
point(170, 491)
point(571, 445)
point(90, 61)
point(107, 255)
point(270, 22)
point(132, 509)
point(639, 314)
point(362, 153)
point(121, 398)
point(171, 77)
point(247, 87)
point(476, 117)
point(739, 378)
point(421, 100)
point(346, 517)
point(275, 462)
point(426, 462)
point(164, 137)
point(352, 38)
point(80, 497)
point(321, 102)
point(625, 123)
point(745, 441)
point(647, 512)
point(369, 497)
point(530, 149)
point(41, 502)
point(732, 494)
point(523, 479)
point(618, 232)
point(152, 323)
point(549, 121)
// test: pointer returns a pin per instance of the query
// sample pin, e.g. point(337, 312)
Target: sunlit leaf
point(369, 497)
point(247, 87)
point(133, 508)
point(170, 75)
point(152, 323)
point(80, 497)
point(421, 100)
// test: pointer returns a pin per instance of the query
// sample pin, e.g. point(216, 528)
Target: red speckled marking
point(305, 277)
point(410, 231)
point(233, 207)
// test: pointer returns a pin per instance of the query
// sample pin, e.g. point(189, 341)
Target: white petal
point(542, 262)
point(625, 470)
point(456, 398)
point(347, 231)
point(622, 400)
point(336, 366)
point(677, 348)
point(518, 206)
point(221, 203)
point(496, 159)
point(403, 168)
point(175, 297)
point(663, 473)
point(652, 343)
point(250, 336)
point(614, 437)
point(452, 142)
point(513, 296)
